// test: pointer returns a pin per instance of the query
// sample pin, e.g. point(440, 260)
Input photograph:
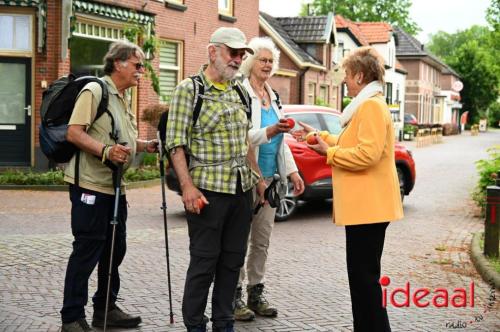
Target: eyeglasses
point(264, 61)
point(234, 52)
point(138, 65)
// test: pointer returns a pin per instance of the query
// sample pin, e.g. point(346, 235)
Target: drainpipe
point(302, 72)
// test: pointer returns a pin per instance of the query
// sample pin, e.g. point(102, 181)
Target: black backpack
point(199, 90)
point(57, 106)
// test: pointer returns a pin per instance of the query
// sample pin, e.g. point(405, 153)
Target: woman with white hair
point(273, 156)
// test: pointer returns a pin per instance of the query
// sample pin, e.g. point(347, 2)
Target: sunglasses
point(234, 53)
point(138, 65)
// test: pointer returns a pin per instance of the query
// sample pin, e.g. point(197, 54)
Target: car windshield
point(320, 121)
point(311, 119)
point(332, 124)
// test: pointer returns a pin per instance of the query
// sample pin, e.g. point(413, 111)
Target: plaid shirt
point(217, 144)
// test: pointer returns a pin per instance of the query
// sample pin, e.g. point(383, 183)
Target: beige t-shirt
point(94, 175)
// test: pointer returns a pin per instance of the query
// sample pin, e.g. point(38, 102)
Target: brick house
point(428, 79)
point(41, 40)
point(380, 36)
point(307, 47)
point(450, 90)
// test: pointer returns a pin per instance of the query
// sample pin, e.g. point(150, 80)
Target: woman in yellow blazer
point(365, 183)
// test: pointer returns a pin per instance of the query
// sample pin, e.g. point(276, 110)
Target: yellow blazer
point(365, 181)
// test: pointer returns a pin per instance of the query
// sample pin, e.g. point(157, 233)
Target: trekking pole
point(114, 222)
point(161, 129)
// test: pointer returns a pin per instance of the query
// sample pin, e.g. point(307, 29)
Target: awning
point(113, 12)
point(21, 3)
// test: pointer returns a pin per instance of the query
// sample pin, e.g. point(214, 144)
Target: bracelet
point(105, 153)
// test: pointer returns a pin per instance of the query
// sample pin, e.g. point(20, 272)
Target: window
point(311, 97)
point(94, 31)
point(340, 52)
point(388, 93)
point(226, 7)
point(310, 118)
point(170, 67)
point(16, 32)
point(332, 124)
point(323, 94)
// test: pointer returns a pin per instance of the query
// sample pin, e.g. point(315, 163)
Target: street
point(306, 278)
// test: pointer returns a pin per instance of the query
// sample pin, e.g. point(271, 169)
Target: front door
point(15, 111)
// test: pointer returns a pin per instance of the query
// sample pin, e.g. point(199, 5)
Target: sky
point(430, 15)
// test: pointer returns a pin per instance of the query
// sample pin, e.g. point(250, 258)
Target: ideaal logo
point(439, 298)
point(424, 297)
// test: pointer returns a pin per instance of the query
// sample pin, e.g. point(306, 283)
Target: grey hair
point(258, 44)
point(120, 50)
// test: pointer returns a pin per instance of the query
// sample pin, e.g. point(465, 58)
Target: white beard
point(226, 71)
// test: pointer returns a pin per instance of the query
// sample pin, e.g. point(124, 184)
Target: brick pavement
point(306, 279)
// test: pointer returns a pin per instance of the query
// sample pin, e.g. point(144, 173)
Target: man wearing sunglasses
point(220, 172)
point(90, 175)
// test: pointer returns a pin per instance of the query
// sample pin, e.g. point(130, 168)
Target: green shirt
point(217, 144)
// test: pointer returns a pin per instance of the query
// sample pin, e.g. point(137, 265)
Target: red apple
point(201, 204)
point(289, 121)
point(312, 138)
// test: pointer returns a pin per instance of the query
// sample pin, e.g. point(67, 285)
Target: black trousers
point(91, 213)
point(364, 246)
point(218, 240)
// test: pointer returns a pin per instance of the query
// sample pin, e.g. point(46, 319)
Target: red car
point(312, 167)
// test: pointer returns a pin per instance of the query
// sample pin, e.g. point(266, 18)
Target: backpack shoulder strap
point(244, 99)
point(199, 90)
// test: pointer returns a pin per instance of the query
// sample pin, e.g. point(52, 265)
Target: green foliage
point(142, 174)
point(17, 177)
point(321, 102)
point(494, 261)
point(138, 34)
point(346, 101)
point(487, 169)
point(149, 159)
point(471, 53)
point(494, 115)
point(30, 177)
point(395, 12)
point(409, 129)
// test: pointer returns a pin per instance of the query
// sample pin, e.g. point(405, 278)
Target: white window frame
point(29, 50)
point(226, 7)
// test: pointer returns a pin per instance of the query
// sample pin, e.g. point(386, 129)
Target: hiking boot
point(77, 326)
point(258, 303)
point(116, 318)
point(241, 311)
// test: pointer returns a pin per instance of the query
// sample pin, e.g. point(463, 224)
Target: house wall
point(423, 85)
point(192, 27)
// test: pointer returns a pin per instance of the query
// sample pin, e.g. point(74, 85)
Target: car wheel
point(401, 178)
point(287, 208)
point(288, 205)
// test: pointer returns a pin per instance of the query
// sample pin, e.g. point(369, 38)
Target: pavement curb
point(64, 187)
point(482, 265)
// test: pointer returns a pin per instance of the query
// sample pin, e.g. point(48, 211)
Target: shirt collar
point(111, 85)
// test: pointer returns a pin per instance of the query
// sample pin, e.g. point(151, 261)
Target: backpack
point(57, 106)
point(199, 90)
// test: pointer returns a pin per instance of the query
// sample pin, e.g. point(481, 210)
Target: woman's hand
point(320, 148)
point(300, 135)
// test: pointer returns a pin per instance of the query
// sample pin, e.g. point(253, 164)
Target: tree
point(476, 67)
point(445, 45)
point(391, 11)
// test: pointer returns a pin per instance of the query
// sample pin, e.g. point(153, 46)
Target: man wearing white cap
point(217, 170)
